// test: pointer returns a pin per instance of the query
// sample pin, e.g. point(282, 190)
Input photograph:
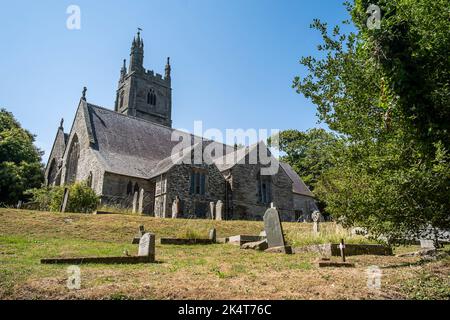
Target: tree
point(20, 160)
point(386, 91)
point(309, 153)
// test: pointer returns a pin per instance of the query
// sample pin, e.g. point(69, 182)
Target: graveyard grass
point(219, 271)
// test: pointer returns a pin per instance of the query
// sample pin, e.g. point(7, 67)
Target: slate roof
point(139, 148)
point(131, 146)
point(298, 186)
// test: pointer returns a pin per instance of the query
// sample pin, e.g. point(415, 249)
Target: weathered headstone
point(135, 202)
point(19, 204)
point(212, 235)
point(211, 209)
point(273, 228)
point(65, 200)
point(427, 244)
point(175, 207)
point(219, 210)
point(316, 219)
point(141, 201)
point(147, 246)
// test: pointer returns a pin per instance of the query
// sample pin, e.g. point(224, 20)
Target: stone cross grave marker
point(65, 200)
point(211, 209)
point(273, 228)
point(219, 210)
point(147, 246)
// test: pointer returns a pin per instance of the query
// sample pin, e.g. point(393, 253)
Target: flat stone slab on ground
point(102, 260)
point(281, 249)
point(328, 263)
point(180, 241)
point(103, 212)
point(241, 239)
point(332, 249)
point(258, 245)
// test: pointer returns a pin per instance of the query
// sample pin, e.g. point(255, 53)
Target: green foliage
point(20, 160)
point(386, 91)
point(81, 198)
point(308, 153)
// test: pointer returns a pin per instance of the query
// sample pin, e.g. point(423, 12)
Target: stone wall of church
point(245, 194)
point(54, 164)
point(87, 161)
point(115, 192)
point(178, 184)
point(304, 204)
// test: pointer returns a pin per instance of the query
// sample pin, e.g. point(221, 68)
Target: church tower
point(142, 93)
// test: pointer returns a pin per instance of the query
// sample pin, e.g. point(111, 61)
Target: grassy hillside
point(220, 271)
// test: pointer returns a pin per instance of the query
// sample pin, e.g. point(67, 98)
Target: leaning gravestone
point(211, 209)
point(274, 231)
point(219, 210)
point(147, 246)
point(139, 235)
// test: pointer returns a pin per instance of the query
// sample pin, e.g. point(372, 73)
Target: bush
point(81, 198)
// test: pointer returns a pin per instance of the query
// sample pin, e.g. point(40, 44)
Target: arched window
point(264, 191)
point(121, 99)
point(129, 188)
point(72, 160)
point(136, 188)
point(151, 98)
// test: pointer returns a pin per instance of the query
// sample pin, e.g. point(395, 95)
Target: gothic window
point(198, 182)
point(264, 189)
point(72, 160)
point(151, 98)
point(129, 188)
point(121, 99)
point(136, 188)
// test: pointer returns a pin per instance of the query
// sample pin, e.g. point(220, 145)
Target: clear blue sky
point(232, 61)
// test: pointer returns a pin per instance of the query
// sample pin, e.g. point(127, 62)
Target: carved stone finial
point(61, 123)
point(84, 94)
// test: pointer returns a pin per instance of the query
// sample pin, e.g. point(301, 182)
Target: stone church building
point(126, 156)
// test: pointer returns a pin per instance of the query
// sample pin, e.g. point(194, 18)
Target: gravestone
point(141, 201)
point(65, 200)
point(316, 218)
point(273, 228)
point(19, 204)
point(427, 244)
point(175, 207)
point(219, 210)
point(211, 209)
point(135, 200)
point(147, 246)
point(212, 235)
